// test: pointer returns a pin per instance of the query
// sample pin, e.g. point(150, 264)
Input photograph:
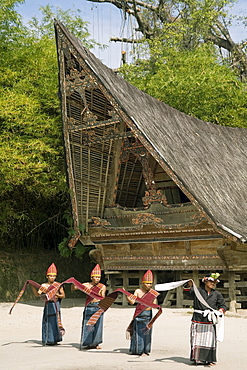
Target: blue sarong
point(50, 330)
point(141, 337)
point(91, 336)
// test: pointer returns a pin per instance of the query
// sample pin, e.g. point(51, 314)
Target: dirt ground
point(20, 340)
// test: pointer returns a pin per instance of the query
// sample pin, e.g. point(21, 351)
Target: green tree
point(33, 193)
point(192, 81)
point(186, 24)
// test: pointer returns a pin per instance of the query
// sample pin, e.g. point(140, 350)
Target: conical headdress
point(96, 271)
point(148, 277)
point(52, 270)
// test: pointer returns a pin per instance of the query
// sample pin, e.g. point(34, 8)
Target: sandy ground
point(20, 341)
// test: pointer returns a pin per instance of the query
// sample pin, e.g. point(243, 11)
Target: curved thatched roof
point(209, 160)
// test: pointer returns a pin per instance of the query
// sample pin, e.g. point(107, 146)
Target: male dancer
point(52, 329)
point(203, 326)
point(92, 337)
point(141, 337)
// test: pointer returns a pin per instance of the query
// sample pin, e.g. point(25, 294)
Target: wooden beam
point(196, 278)
point(179, 303)
point(88, 190)
point(232, 293)
point(187, 246)
point(106, 178)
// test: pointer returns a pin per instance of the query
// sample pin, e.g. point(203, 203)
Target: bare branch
point(119, 4)
point(124, 39)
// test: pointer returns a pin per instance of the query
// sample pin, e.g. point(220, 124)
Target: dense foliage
point(192, 81)
point(33, 193)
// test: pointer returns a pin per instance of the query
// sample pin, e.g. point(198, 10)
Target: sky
point(106, 21)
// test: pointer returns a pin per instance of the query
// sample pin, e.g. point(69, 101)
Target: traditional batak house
point(153, 187)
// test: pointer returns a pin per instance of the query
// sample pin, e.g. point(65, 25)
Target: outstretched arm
point(35, 292)
point(130, 300)
point(187, 287)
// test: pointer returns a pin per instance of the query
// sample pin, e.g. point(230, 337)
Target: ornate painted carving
point(164, 257)
point(89, 137)
point(146, 219)
point(97, 221)
point(74, 240)
point(109, 134)
point(152, 194)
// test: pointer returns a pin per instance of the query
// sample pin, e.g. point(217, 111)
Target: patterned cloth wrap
point(148, 297)
point(104, 303)
point(48, 295)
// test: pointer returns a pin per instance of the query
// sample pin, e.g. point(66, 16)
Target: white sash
point(213, 315)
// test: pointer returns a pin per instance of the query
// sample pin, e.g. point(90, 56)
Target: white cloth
point(168, 286)
point(215, 316)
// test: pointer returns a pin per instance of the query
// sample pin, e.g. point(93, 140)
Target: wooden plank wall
point(233, 287)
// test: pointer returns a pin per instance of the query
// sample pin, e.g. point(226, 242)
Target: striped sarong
point(91, 336)
point(52, 329)
point(203, 342)
point(141, 338)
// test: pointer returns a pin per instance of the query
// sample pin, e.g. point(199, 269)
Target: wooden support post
point(179, 298)
point(232, 291)
point(125, 284)
point(187, 246)
point(196, 278)
point(109, 283)
point(168, 298)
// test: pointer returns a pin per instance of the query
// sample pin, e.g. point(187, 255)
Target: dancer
point(91, 337)
point(141, 337)
point(52, 329)
point(203, 327)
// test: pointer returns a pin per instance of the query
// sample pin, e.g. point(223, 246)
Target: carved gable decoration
point(124, 148)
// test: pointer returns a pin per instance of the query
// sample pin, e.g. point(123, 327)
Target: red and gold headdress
point(96, 271)
point(148, 277)
point(52, 270)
